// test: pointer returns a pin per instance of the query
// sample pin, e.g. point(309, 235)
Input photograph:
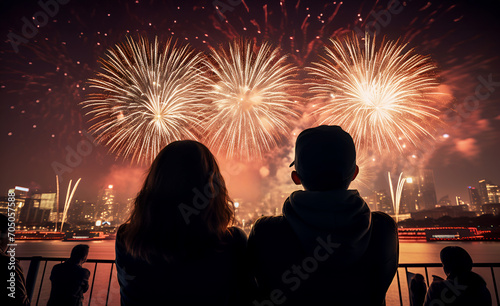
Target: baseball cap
point(324, 155)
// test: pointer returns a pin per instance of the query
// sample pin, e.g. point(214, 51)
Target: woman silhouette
point(177, 247)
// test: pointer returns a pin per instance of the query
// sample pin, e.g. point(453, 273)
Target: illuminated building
point(419, 192)
point(4, 205)
point(489, 192)
point(493, 209)
point(444, 201)
point(82, 212)
point(371, 200)
point(384, 202)
point(474, 199)
point(409, 196)
point(106, 205)
point(380, 201)
point(33, 212)
point(459, 201)
point(427, 191)
point(21, 194)
point(48, 201)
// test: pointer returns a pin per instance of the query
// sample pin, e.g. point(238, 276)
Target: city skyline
point(418, 195)
point(463, 193)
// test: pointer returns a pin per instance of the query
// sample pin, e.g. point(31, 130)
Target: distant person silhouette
point(327, 248)
point(418, 289)
point(69, 279)
point(177, 247)
point(461, 286)
point(13, 289)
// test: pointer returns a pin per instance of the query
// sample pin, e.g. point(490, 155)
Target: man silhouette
point(327, 248)
point(69, 279)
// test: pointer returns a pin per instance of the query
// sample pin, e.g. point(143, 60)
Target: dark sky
point(44, 80)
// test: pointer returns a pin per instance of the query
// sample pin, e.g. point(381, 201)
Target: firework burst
point(251, 98)
point(147, 96)
point(381, 94)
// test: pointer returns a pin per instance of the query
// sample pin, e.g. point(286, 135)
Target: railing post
point(399, 289)
point(32, 275)
point(109, 282)
point(41, 284)
point(92, 286)
point(495, 285)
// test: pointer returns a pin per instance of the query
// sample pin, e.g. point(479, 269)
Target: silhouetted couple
point(462, 287)
point(178, 246)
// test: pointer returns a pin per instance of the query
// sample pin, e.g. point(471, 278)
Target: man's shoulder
point(383, 220)
point(59, 266)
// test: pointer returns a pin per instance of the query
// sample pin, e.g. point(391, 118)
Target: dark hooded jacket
point(465, 289)
point(326, 249)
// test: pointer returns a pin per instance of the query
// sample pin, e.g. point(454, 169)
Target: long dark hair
point(183, 206)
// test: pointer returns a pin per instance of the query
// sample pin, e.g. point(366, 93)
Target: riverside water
point(410, 252)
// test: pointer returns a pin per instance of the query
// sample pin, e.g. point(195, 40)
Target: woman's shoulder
point(121, 229)
point(119, 245)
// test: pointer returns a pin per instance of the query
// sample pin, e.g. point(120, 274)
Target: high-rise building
point(48, 201)
point(32, 212)
point(371, 200)
point(106, 205)
point(380, 201)
point(444, 201)
point(384, 202)
point(427, 189)
point(89, 211)
point(474, 199)
point(21, 194)
point(4, 205)
point(489, 192)
point(409, 196)
point(419, 192)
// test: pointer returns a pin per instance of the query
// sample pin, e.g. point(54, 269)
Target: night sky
point(44, 77)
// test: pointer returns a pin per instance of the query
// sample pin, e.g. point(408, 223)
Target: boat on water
point(445, 234)
point(85, 236)
point(39, 235)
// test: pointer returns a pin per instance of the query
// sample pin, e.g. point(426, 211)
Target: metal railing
point(426, 267)
point(33, 277)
